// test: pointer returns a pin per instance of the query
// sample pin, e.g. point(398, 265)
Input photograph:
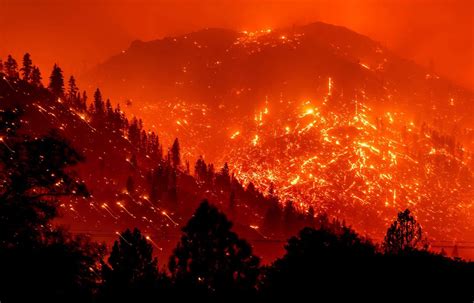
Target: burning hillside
point(331, 118)
point(358, 165)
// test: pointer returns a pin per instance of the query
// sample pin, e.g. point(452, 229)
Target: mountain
point(312, 121)
point(203, 83)
point(329, 117)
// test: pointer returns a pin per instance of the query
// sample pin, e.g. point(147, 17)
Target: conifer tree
point(72, 89)
point(36, 77)
point(404, 235)
point(211, 260)
point(27, 68)
point(175, 154)
point(56, 81)
point(131, 272)
point(11, 68)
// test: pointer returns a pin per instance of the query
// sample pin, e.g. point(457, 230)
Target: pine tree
point(27, 68)
point(131, 272)
point(72, 89)
point(210, 174)
point(200, 170)
point(212, 260)
point(109, 110)
point(153, 148)
point(56, 81)
point(404, 235)
point(36, 77)
point(134, 132)
point(175, 154)
point(11, 68)
point(98, 103)
point(35, 173)
point(84, 101)
point(223, 178)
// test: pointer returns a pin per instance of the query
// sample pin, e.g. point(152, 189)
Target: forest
point(72, 168)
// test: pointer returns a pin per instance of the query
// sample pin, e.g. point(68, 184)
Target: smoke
point(81, 33)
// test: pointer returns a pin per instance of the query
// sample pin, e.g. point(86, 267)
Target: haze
point(79, 34)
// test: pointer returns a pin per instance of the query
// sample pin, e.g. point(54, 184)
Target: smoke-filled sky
point(78, 34)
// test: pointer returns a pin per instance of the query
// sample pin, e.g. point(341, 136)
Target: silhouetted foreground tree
point(56, 84)
point(315, 262)
point(131, 273)
point(39, 262)
point(59, 268)
point(211, 262)
point(336, 264)
point(404, 235)
point(34, 175)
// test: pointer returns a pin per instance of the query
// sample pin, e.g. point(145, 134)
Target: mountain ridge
point(231, 74)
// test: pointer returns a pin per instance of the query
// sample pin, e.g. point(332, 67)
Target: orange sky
point(80, 33)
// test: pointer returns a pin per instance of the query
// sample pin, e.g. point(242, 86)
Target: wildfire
point(358, 165)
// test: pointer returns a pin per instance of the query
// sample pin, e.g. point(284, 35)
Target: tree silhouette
point(60, 268)
point(314, 261)
point(176, 154)
point(56, 81)
point(35, 173)
point(39, 261)
point(404, 235)
point(36, 77)
point(109, 110)
point(72, 88)
point(98, 103)
point(134, 132)
point(211, 260)
point(200, 170)
point(27, 67)
point(11, 68)
point(223, 178)
point(131, 272)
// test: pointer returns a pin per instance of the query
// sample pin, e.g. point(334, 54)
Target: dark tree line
point(331, 263)
point(100, 112)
